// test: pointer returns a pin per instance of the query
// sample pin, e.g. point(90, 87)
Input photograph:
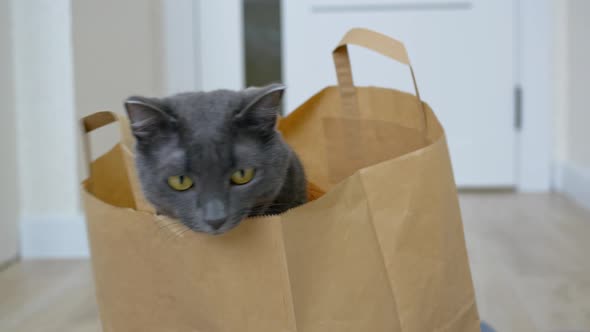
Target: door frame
point(217, 62)
point(534, 50)
point(204, 47)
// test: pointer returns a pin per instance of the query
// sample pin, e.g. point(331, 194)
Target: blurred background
point(508, 78)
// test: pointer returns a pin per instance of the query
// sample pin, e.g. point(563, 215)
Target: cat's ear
point(146, 117)
point(262, 107)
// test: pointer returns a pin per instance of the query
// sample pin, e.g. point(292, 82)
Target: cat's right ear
point(146, 117)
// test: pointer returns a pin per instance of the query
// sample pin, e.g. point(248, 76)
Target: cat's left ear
point(146, 117)
point(262, 107)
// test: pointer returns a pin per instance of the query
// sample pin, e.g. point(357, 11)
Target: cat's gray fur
point(208, 136)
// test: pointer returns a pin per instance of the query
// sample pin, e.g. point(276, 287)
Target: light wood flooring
point(529, 255)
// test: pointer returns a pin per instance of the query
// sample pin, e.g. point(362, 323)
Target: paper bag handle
point(374, 41)
point(100, 119)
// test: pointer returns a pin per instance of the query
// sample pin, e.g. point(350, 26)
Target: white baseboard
point(574, 181)
point(49, 237)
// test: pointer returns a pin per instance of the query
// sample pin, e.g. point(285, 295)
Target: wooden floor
point(529, 255)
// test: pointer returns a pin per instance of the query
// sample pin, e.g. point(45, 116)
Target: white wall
point(44, 103)
point(578, 58)
point(46, 127)
point(221, 44)
point(204, 45)
point(572, 110)
point(181, 37)
point(535, 59)
point(9, 192)
point(560, 80)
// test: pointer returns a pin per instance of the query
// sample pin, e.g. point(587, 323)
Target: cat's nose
point(216, 223)
point(215, 213)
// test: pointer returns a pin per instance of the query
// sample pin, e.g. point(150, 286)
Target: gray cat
point(211, 159)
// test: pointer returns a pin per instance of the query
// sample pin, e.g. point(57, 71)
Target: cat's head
point(209, 158)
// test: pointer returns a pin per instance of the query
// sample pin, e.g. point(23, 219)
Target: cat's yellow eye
point(180, 182)
point(242, 176)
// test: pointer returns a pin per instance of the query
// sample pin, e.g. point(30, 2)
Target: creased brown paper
point(381, 250)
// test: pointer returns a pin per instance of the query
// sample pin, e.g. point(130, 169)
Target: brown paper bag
point(381, 250)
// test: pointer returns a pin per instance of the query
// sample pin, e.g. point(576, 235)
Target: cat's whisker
point(161, 220)
point(171, 228)
point(167, 232)
point(168, 226)
point(180, 234)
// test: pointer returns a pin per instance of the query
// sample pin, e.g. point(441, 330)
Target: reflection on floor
point(529, 258)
